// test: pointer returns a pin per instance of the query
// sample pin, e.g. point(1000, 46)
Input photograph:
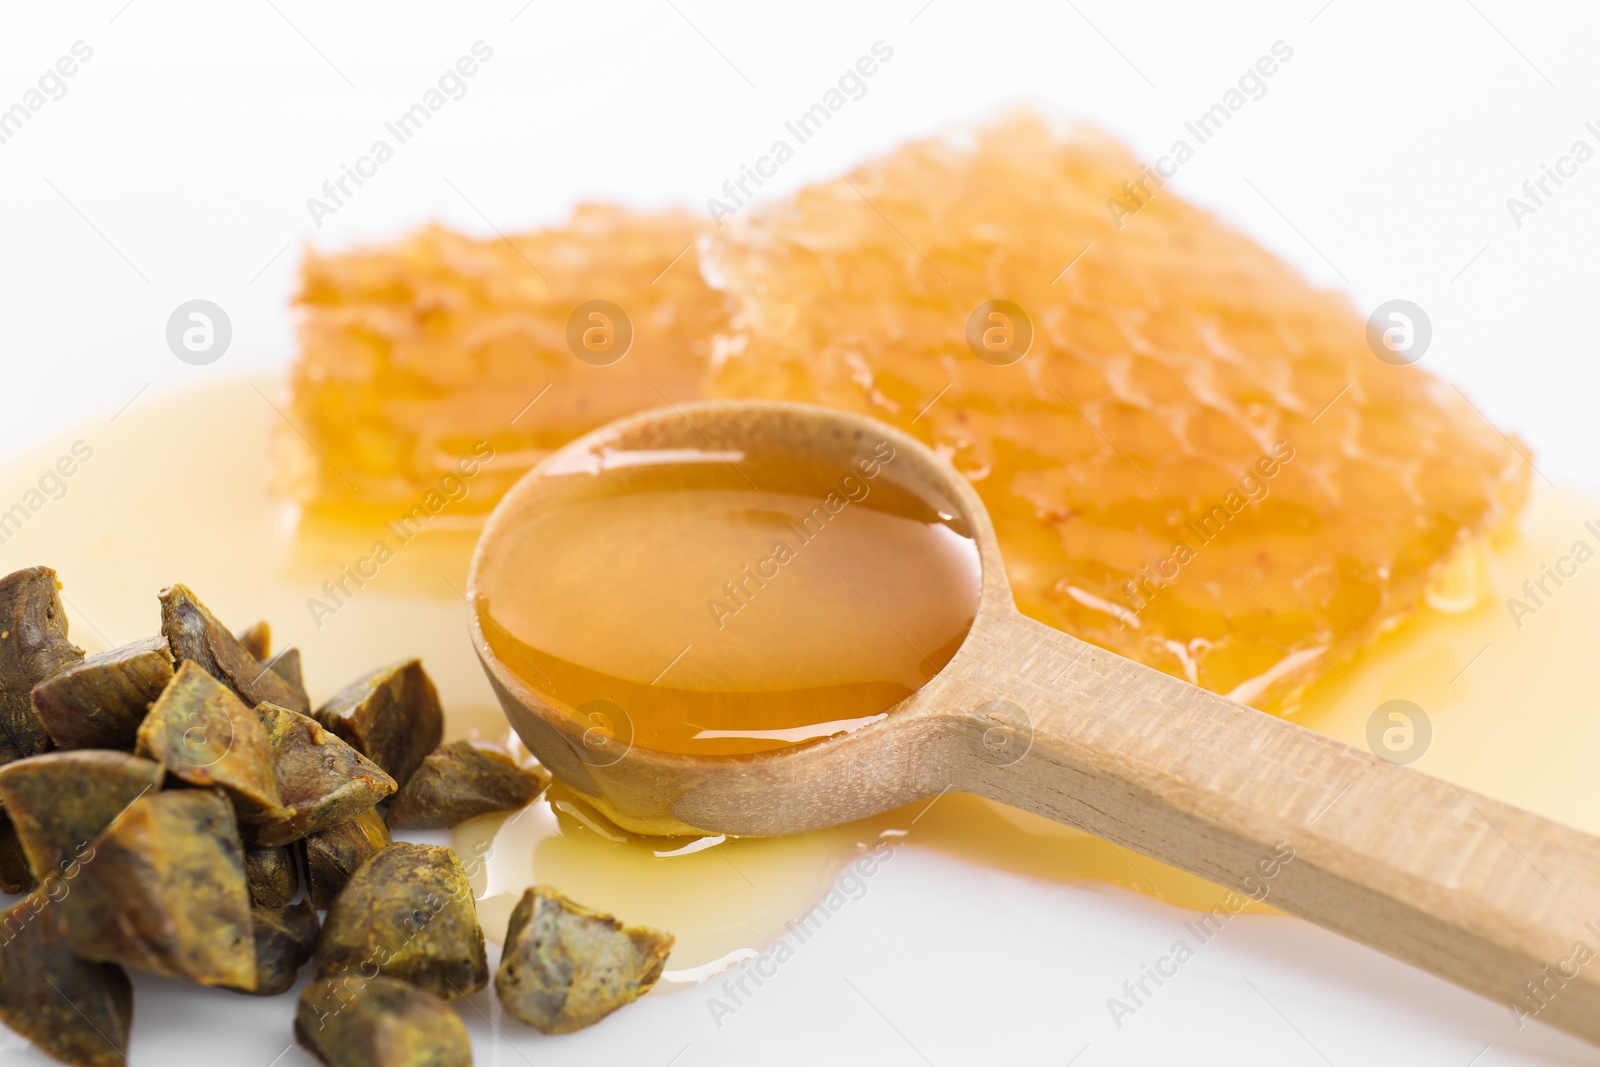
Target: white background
point(178, 163)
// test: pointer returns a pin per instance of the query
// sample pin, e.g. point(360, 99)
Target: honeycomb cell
point(443, 348)
point(1198, 464)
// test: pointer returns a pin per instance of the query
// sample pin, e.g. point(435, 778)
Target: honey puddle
point(727, 900)
point(174, 490)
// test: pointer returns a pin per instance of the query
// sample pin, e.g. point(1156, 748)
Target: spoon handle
point(1484, 894)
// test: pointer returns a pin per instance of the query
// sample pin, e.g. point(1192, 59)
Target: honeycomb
point(415, 355)
point(1197, 462)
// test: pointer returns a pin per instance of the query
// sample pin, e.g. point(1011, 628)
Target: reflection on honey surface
point(713, 617)
point(1509, 699)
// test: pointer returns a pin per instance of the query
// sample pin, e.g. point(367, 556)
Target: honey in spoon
point(1465, 668)
point(714, 604)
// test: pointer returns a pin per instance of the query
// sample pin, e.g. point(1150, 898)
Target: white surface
point(177, 166)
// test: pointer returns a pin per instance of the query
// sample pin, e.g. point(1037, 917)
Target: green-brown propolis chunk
point(286, 665)
point(100, 702)
point(166, 892)
point(33, 646)
point(285, 938)
point(334, 854)
point(272, 875)
point(195, 634)
point(74, 1010)
point(320, 781)
point(61, 801)
point(200, 732)
point(408, 912)
point(256, 639)
point(392, 716)
point(566, 967)
point(460, 781)
point(350, 1021)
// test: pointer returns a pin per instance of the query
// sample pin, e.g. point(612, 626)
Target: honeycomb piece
point(1199, 463)
point(421, 361)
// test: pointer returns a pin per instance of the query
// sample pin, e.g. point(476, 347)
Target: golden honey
point(689, 602)
point(1191, 456)
point(1510, 705)
point(1195, 460)
point(1157, 364)
point(417, 353)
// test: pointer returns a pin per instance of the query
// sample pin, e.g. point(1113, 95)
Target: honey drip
point(1510, 706)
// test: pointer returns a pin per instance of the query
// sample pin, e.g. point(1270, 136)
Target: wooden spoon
point(1482, 893)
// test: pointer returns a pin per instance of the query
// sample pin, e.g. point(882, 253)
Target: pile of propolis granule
point(1192, 457)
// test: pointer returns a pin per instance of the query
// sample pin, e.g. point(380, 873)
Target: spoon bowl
point(1480, 892)
point(785, 790)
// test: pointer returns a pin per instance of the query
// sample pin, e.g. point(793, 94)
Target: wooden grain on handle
point(1482, 893)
